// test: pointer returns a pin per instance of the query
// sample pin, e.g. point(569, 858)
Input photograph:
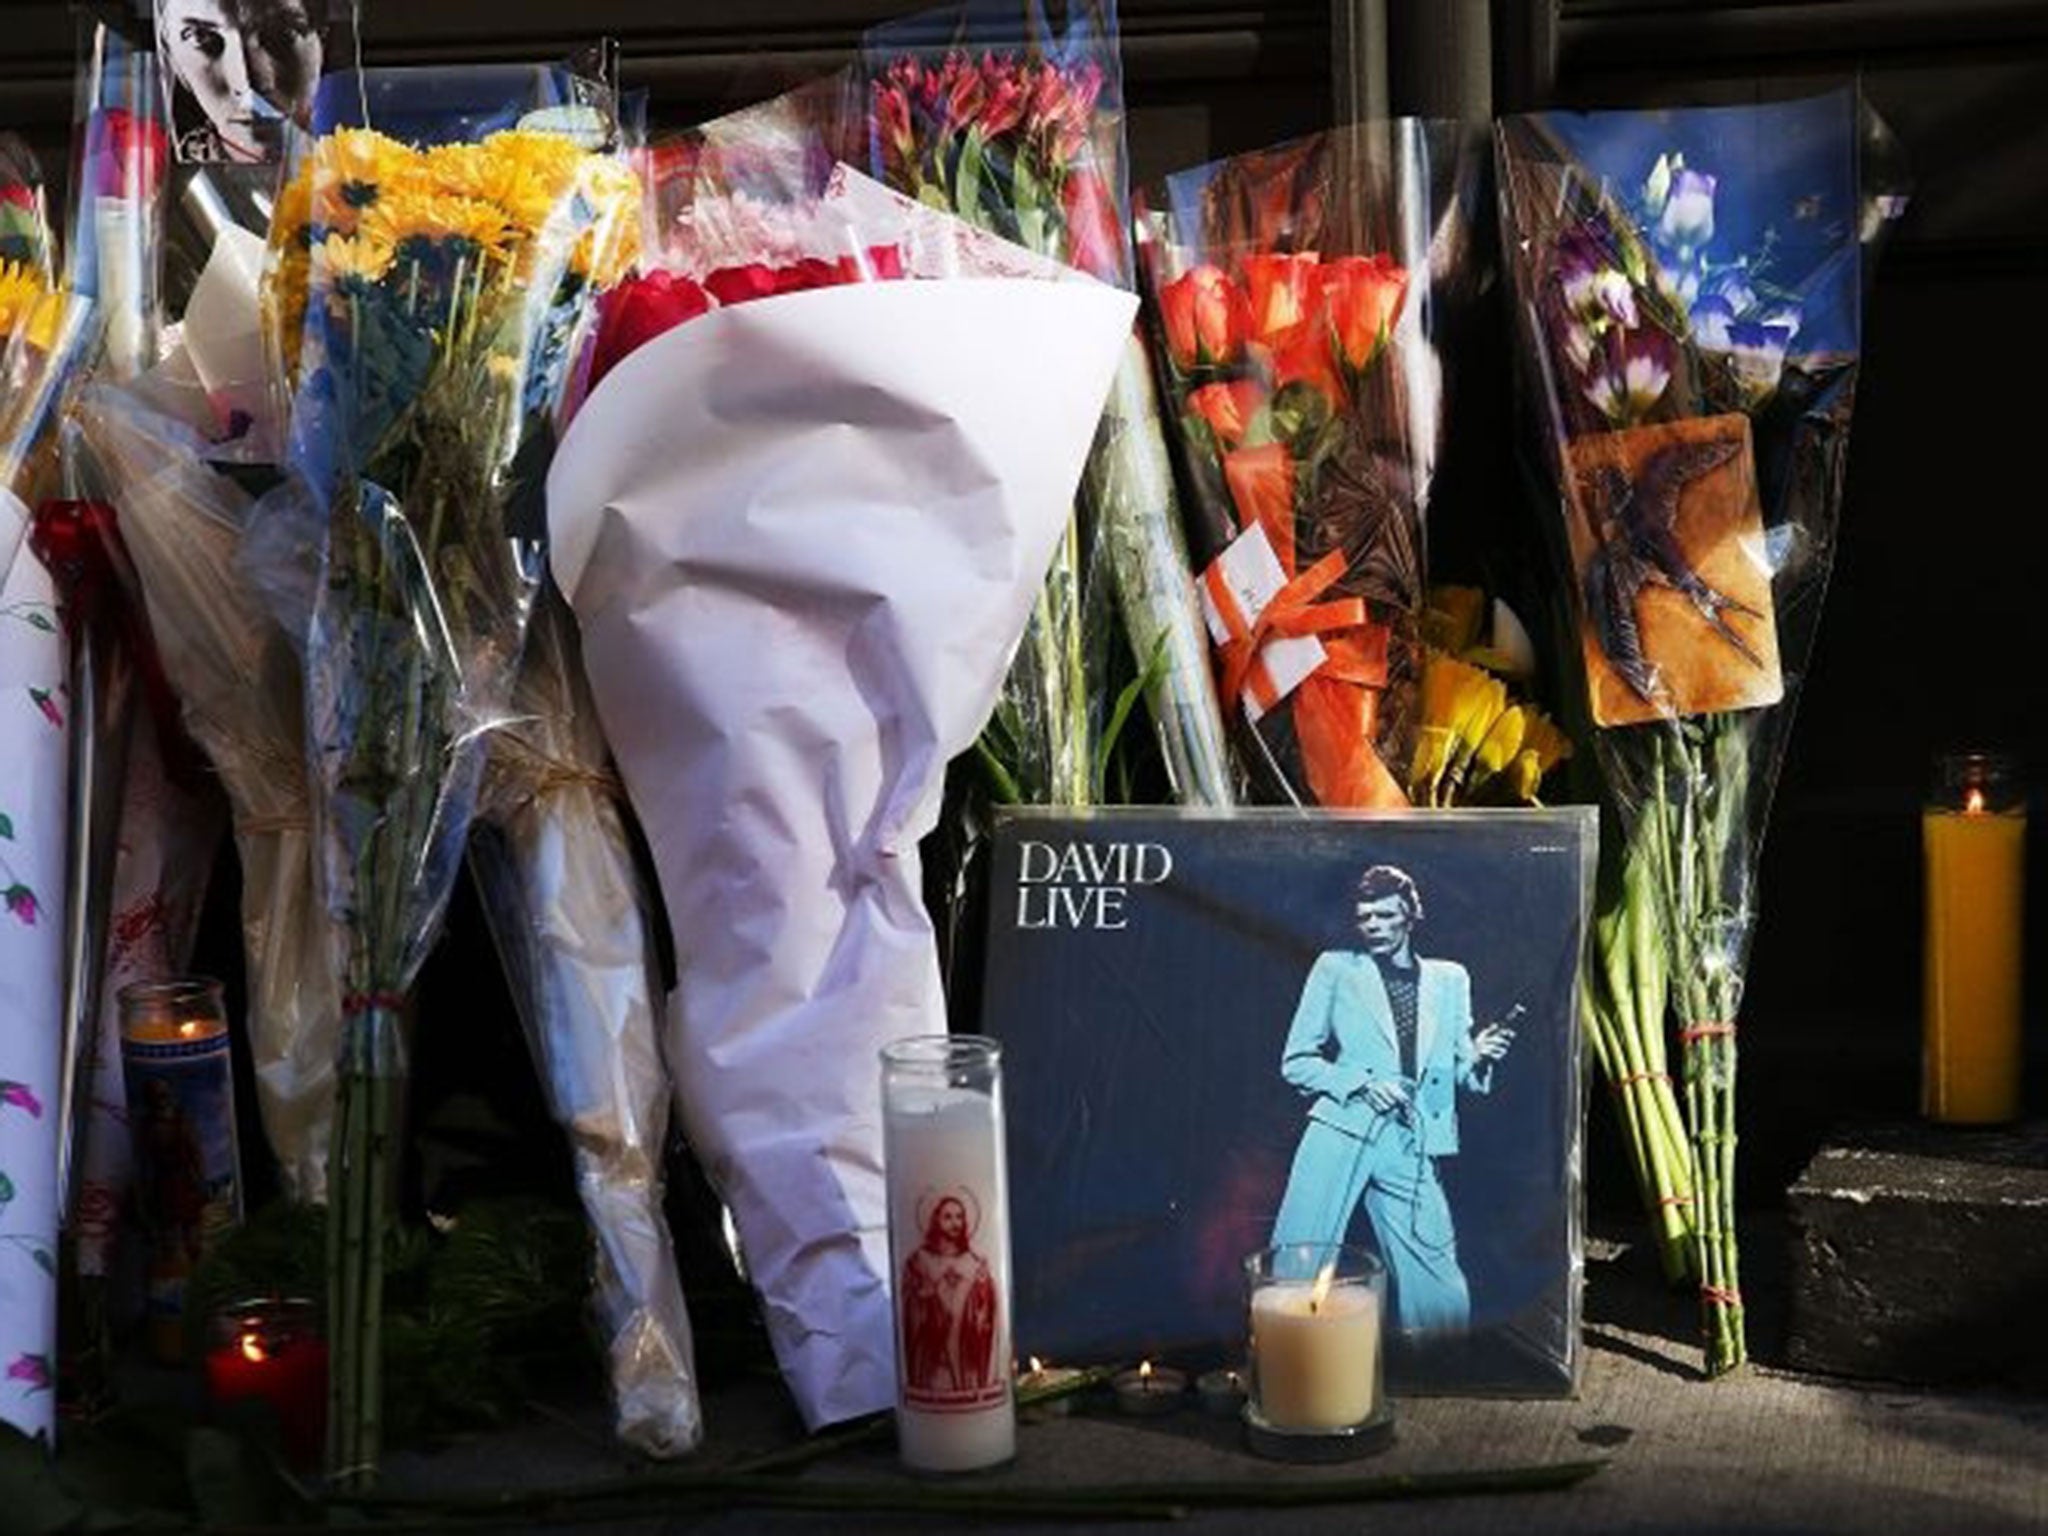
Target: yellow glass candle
point(1975, 834)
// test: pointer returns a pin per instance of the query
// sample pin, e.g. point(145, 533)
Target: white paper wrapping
point(802, 536)
point(32, 717)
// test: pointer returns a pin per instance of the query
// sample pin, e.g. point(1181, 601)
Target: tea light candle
point(1150, 1389)
point(1974, 833)
point(1051, 1380)
point(1222, 1393)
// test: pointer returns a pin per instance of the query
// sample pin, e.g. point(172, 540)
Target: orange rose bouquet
point(1288, 294)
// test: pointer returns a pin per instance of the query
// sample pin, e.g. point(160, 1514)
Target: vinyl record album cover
point(1226, 1030)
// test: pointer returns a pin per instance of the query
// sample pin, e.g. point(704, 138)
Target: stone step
point(1920, 1254)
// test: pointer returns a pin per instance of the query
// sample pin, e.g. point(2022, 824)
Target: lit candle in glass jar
point(1316, 1313)
point(1974, 831)
point(271, 1352)
point(181, 1112)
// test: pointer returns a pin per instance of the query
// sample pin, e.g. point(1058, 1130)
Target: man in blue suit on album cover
point(1381, 1043)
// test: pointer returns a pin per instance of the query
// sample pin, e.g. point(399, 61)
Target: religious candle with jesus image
point(949, 1247)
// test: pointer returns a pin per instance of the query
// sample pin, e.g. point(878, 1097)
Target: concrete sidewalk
point(1764, 1451)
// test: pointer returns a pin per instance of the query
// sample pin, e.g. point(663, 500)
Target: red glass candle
point(270, 1351)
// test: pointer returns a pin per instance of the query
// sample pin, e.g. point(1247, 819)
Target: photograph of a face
point(1224, 1032)
point(1667, 536)
point(238, 71)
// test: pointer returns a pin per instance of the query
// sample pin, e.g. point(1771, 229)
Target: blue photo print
point(1228, 1031)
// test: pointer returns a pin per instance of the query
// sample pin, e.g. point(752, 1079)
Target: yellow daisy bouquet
point(422, 301)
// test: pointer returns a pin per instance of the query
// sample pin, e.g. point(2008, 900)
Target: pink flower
point(892, 121)
point(1004, 98)
point(21, 1096)
point(21, 901)
point(963, 93)
point(33, 1369)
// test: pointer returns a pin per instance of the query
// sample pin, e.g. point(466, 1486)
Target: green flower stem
point(1699, 809)
point(1627, 1003)
point(613, 1498)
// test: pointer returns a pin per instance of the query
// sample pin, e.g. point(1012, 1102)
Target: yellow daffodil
point(1463, 702)
point(1501, 745)
point(20, 286)
point(1432, 756)
point(1544, 746)
point(1452, 620)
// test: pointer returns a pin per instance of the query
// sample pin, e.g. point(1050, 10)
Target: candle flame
point(1321, 1289)
point(252, 1348)
point(189, 1028)
point(1037, 1365)
point(1973, 802)
point(1145, 1374)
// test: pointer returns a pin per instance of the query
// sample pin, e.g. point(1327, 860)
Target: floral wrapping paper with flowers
point(32, 797)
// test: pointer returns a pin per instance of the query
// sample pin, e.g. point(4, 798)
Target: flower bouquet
point(1290, 298)
point(562, 893)
point(425, 293)
point(989, 113)
point(1689, 289)
point(802, 517)
point(1476, 742)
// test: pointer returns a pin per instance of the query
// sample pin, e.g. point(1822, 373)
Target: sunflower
point(293, 214)
point(409, 214)
point(528, 196)
point(20, 286)
point(364, 257)
point(355, 168)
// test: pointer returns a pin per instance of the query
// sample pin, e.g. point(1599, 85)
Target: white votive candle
point(949, 1245)
point(1315, 1359)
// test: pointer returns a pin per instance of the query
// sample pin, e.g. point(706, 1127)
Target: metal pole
point(1524, 54)
point(1358, 60)
point(1440, 55)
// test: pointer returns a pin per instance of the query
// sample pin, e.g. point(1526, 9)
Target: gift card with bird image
point(1667, 538)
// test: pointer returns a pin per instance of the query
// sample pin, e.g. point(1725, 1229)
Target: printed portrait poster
point(1223, 1030)
point(237, 73)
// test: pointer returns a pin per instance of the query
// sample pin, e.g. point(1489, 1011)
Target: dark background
point(1927, 641)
